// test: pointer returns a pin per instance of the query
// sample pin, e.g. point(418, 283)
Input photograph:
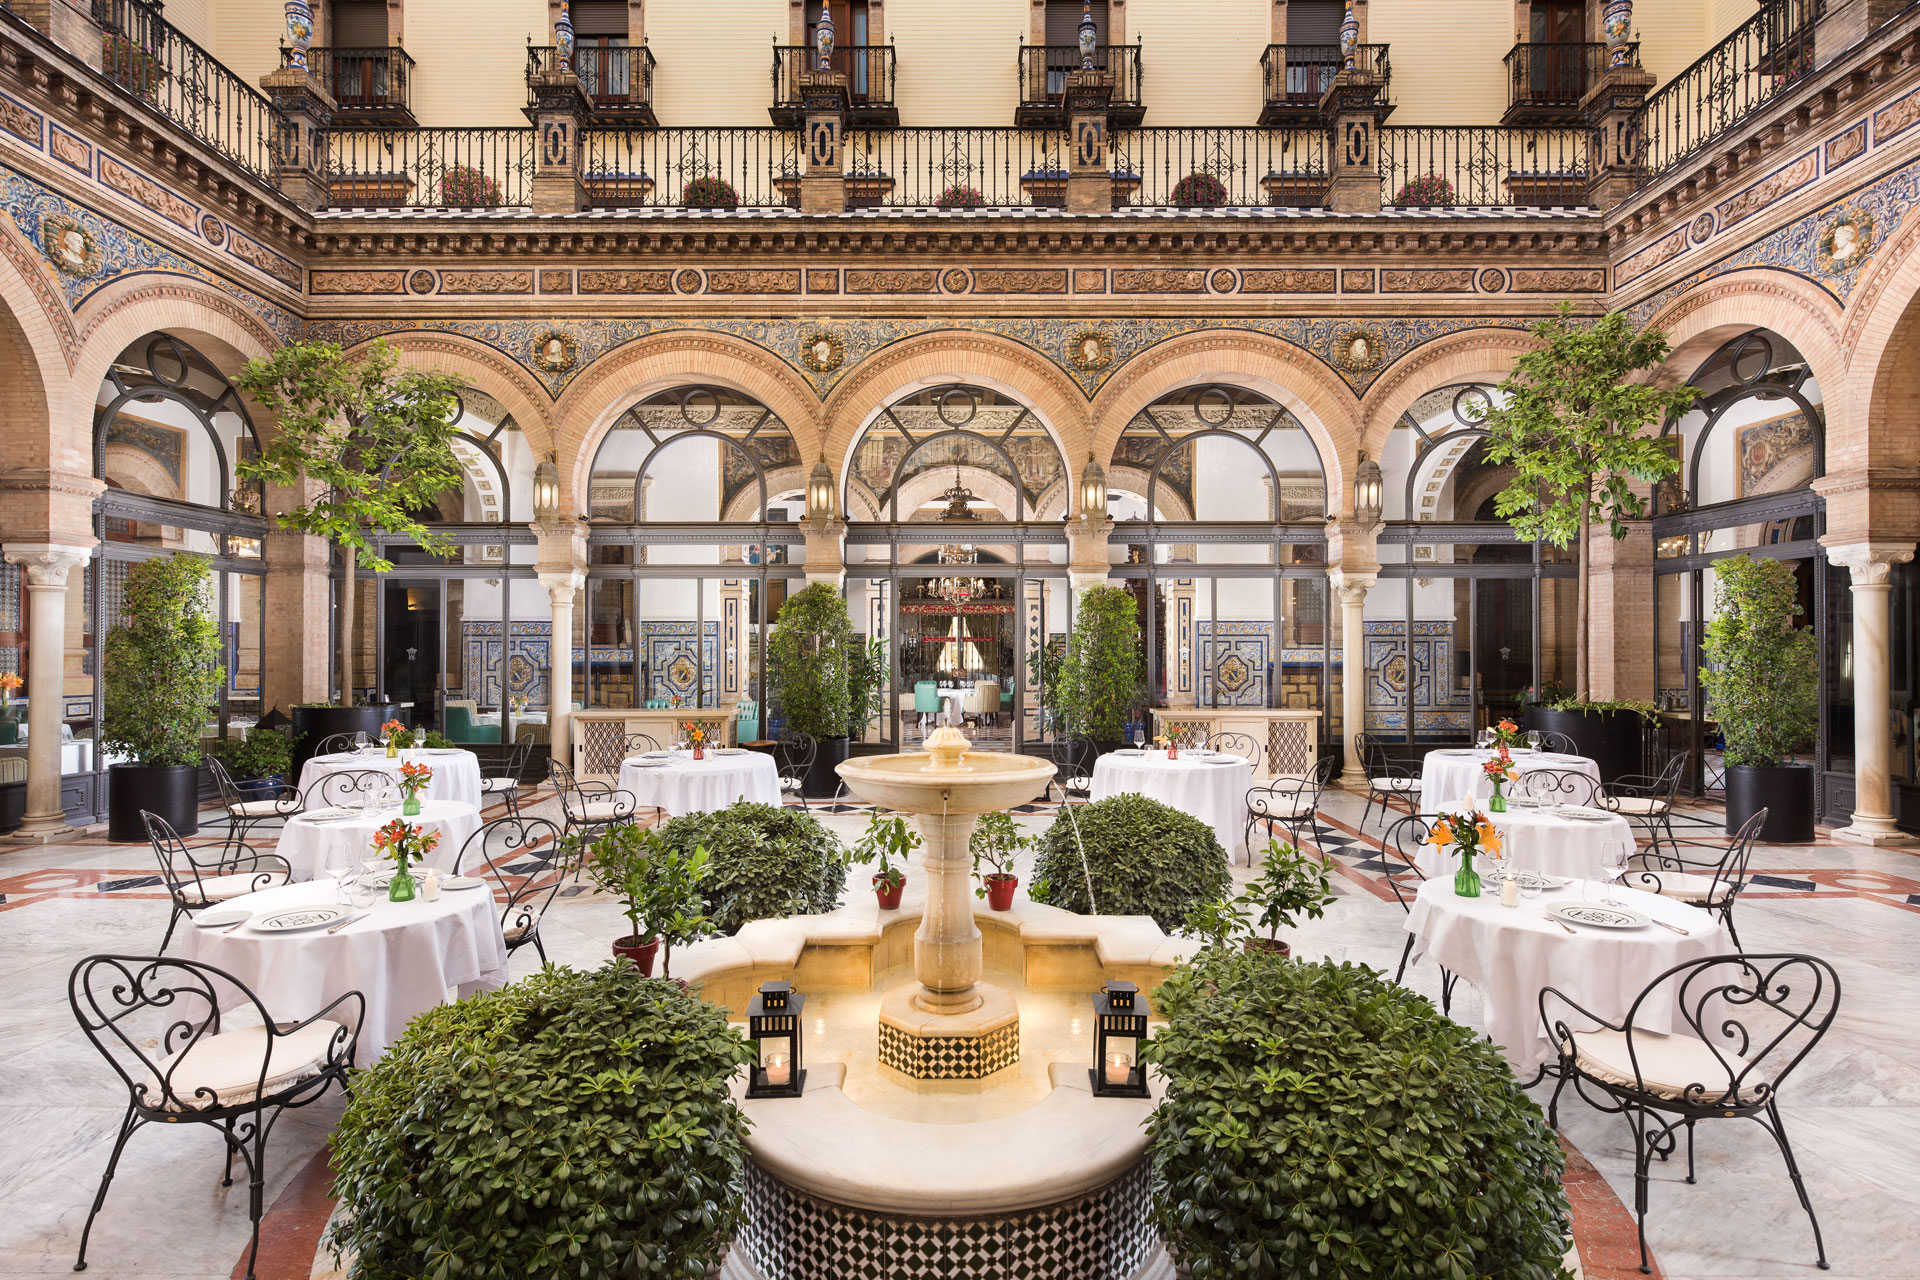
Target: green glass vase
point(1498, 802)
point(393, 751)
point(410, 807)
point(402, 888)
point(1466, 881)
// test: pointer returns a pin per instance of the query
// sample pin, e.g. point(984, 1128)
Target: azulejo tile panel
point(516, 664)
point(1413, 680)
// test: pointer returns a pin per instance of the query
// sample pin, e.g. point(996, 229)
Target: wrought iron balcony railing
point(691, 168)
point(1442, 166)
point(869, 72)
point(1297, 76)
point(987, 167)
point(1043, 82)
point(155, 62)
point(430, 168)
point(371, 86)
point(1548, 82)
point(1236, 166)
point(618, 80)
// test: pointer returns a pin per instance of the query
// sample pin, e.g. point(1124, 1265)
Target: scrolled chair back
point(504, 842)
point(1558, 743)
point(527, 862)
point(334, 744)
point(183, 875)
point(1238, 744)
point(349, 788)
point(635, 743)
point(1400, 846)
point(1656, 866)
point(1558, 786)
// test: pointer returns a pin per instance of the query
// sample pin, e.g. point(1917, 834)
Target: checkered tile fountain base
point(949, 1057)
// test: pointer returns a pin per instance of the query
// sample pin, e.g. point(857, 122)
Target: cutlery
point(349, 920)
point(1564, 925)
point(242, 924)
point(1685, 933)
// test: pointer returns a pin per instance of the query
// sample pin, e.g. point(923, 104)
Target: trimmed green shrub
point(264, 753)
point(572, 1124)
point(1103, 677)
point(162, 664)
point(809, 658)
point(1321, 1121)
point(764, 862)
point(1760, 670)
point(1146, 858)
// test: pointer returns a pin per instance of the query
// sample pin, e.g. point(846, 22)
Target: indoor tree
point(366, 442)
point(1573, 428)
point(1101, 678)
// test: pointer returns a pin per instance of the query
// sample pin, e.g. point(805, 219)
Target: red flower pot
point(641, 953)
point(889, 898)
point(1000, 891)
point(1271, 945)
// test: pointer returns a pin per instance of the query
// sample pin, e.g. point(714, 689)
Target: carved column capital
point(562, 586)
point(47, 563)
point(1870, 563)
point(1352, 587)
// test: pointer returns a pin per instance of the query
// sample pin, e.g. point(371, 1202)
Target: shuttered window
point(600, 17)
point(1314, 21)
point(1063, 21)
point(359, 24)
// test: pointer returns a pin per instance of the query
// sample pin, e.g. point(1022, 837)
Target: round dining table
point(1210, 785)
point(312, 844)
point(402, 956)
point(1546, 839)
point(1448, 774)
point(456, 773)
point(1509, 954)
point(677, 784)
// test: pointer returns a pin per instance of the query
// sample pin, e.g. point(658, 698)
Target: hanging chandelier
point(960, 500)
point(957, 590)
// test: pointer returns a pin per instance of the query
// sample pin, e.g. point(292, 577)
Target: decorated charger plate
point(221, 918)
point(646, 762)
point(1581, 813)
point(1599, 916)
point(440, 751)
point(463, 882)
point(295, 919)
point(1127, 751)
point(655, 755)
point(1458, 752)
point(730, 751)
point(1537, 880)
point(332, 813)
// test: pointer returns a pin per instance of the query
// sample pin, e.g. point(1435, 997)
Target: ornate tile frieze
point(1776, 186)
point(143, 190)
point(1428, 280)
point(1846, 146)
point(643, 281)
point(348, 283)
point(20, 120)
point(1159, 280)
point(71, 150)
point(261, 258)
point(1292, 280)
point(489, 282)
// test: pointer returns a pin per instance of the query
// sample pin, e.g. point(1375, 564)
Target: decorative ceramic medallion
point(822, 351)
point(687, 281)
point(213, 231)
point(1089, 350)
point(955, 281)
point(421, 282)
point(1702, 228)
point(69, 246)
point(554, 351)
point(1845, 245)
point(1492, 280)
point(1358, 350)
point(1223, 281)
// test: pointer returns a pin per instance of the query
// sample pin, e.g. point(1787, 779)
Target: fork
point(1564, 925)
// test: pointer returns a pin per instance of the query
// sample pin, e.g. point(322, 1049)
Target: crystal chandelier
point(958, 590)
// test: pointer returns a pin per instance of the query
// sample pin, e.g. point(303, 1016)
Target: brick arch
point(1882, 335)
point(34, 353)
point(486, 370)
point(594, 401)
point(1473, 355)
point(1311, 391)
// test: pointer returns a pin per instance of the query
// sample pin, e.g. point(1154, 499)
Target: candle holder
point(1120, 1015)
point(773, 1023)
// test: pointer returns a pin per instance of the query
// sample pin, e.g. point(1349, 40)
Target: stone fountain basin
point(985, 782)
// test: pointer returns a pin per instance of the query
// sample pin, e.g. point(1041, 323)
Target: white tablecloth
point(402, 957)
point(307, 845)
point(456, 774)
point(1215, 793)
point(684, 785)
point(1509, 954)
point(1538, 840)
point(1445, 776)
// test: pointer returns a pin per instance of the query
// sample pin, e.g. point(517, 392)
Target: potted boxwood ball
point(1144, 858)
point(162, 674)
point(809, 657)
point(764, 862)
point(995, 842)
point(885, 839)
point(1761, 686)
point(659, 891)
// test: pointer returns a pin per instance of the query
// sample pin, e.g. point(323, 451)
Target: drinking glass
point(360, 740)
point(1611, 871)
point(1533, 739)
point(341, 869)
point(1139, 736)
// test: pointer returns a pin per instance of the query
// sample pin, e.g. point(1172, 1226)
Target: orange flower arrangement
point(1506, 734)
point(1500, 768)
point(400, 841)
point(1471, 832)
point(9, 685)
point(414, 779)
point(391, 727)
point(696, 736)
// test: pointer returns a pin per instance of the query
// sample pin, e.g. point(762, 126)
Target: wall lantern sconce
point(773, 1023)
point(1367, 491)
point(546, 492)
point(1093, 491)
point(820, 491)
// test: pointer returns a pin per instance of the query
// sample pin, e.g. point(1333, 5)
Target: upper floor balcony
point(1547, 81)
point(1296, 78)
point(869, 72)
point(370, 87)
point(1043, 82)
point(617, 79)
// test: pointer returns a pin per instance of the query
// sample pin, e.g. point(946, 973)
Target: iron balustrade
point(869, 69)
point(1232, 166)
point(155, 62)
point(957, 168)
point(1297, 76)
point(1478, 165)
point(1553, 77)
point(1044, 69)
point(481, 168)
point(371, 85)
point(1764, 56)
point(617, 79)
point(691, 168)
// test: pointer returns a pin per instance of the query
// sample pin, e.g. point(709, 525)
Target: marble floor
point(1852, 1109)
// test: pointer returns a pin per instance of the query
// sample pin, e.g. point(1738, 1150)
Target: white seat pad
point(1668, 1065)
point(1279, 806)
point(602, 811)
point(221, 888)
point(1639, 805)
point(255, 809)
point(227, 1066)
point(1394, 784)
point(1682, 886)
point(499, 784)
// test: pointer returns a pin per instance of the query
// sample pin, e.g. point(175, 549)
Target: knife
point(1685, 933)
point(349, 920)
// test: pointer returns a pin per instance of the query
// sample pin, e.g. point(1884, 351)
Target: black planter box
point(1611, 739)
point(1784, 791)
point(313, 725)
point(823, 780)
point(171, 792)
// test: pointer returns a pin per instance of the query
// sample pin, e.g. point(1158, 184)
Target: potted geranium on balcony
point(464, 187)
point(1200, 191)
point(959, 195)
point(1427, 189)
point(709, 192)
point(131, 65)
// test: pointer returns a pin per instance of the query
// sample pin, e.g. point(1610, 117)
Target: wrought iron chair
point(527, 862)
point(589, 807)
point(1647, 801)
point(1402, 842)
point(1386, 781)
point(1712, 882)
point(1741, 1025)
point(1293, 804)
point(244, 815)
point(1073, 776)
point(1238, 744)
point(158, 1024)
point(796, 753)
point(505, 785)
point(635, 743)
point(194, 885)
point(1560, 786)
point(334, 744)
point(1558, 743)
point(348, 789)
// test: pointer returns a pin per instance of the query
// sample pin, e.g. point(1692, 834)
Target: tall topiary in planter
point(162, 674)
point(1573, 426)
point(1762, 686)
point(1102, 677)
point(574, 1123)
point(809, 658)
point(1321, 1121)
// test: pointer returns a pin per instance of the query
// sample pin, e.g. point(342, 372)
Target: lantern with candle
point(773, 1023)
point(1119, 1031)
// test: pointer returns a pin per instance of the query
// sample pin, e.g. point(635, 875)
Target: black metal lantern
point(773, 1023)
point(1119, 1033)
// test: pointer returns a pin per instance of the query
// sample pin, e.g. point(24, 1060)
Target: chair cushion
point(233, 885)
point(602, 811)
point(1283, 805)
point(1667, 1064)
point(255, 809)
point(1394, 784)
point(495, 785)
point(1638, 805)
point(1683, 886)
point(228, 1066)
point(514, 933)
point(1079, 782)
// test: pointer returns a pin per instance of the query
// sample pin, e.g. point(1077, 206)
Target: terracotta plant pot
point(1273, 946)
point(641, 953)
point(1000, 891)
point(889, 898)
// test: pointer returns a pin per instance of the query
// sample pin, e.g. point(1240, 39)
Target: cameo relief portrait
point(554, 352)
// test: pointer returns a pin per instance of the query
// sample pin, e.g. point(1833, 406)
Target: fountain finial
point(947, 745)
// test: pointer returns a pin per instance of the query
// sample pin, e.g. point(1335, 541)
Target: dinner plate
point(642, 762)
point(463, 882)
point(1130, 751)
point(329, 814)
point(1457, 754)
point(338, 757)
point(222, 917)
point(655, 755)
point(730, 751)
point(295, 919)
point(1599, 915)
point(1537, 880)
point(440, 751)
point(1581, 813)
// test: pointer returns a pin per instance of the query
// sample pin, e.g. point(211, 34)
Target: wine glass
point(1533, 739)
point(360, 740)
point(1612, 869)
point(340, 867)
point(1140, 736)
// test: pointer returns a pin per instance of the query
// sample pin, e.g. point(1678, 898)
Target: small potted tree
point(885, 839)
point(1100, 680)
point(163, 675)
point(1761, 686)
point(1289, 885)
point(259, 763)
point(658, 886)
point(809, 660)
point(994, 843)
point(868, 667)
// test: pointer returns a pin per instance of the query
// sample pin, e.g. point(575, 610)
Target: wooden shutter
point(1063, 22)
point(1314, 21)
point(600, 17)
point(359, 24)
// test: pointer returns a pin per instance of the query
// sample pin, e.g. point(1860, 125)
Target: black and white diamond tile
point(949, 1057)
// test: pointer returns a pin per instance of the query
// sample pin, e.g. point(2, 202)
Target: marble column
point(1352, 589)
point(561, 588)
point(47, 566)
point(1870, 564)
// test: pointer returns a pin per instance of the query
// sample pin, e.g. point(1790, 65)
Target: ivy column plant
point(367, 445)
point(1102, 676)
point(162, 676)
point(1762, 687)
point(810, 659)
point(1573, 425)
